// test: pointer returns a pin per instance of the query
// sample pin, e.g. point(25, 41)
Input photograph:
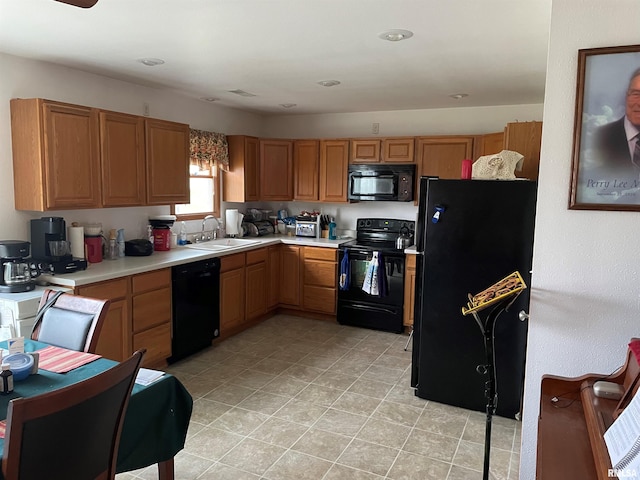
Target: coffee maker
point(46, 232)
point(17, 273)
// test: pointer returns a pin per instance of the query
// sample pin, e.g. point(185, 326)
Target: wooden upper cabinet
point(122, 154)
point(167, 156)
point(525, 138)
point(276, 170)
point(306, 169)
point(334, 169)
point(365, 151)
point(242, 181)
point(56, 161)
point(398, 150)
point(442, 156)
point(489, 143)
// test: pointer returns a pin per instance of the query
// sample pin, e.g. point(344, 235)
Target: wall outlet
point(375, 128)
point(145, 109)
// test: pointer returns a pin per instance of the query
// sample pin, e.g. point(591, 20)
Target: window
point(209, 153)
point(204, 189)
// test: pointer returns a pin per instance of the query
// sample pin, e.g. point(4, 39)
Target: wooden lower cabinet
point(273, 277)
point(409, 290)
point(232, 288)
point(139, 316)
point(151, 315)
point(115, 339)
point(290, 275)
point(319, 278)
point(256, 284)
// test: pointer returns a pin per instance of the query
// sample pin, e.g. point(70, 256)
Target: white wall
point(451, 121)
point(26, 78)
point(585, 288)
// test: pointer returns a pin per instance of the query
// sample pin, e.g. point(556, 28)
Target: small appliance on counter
point(17, 273)
point(50, 249)
point(162, 231)
point(307, 226)
point(260, 228)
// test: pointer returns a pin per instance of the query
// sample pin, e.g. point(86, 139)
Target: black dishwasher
point(196, 306)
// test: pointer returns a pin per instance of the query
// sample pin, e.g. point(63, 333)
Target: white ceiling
point(493, 50)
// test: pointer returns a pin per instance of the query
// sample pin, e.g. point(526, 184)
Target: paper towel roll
point(75, 236)
point(231, 217)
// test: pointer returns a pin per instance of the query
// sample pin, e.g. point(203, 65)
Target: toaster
point(306, 228)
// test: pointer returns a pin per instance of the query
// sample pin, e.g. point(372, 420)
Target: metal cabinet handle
point(523, 316)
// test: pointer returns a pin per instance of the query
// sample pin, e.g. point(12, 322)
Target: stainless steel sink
point(222, 244)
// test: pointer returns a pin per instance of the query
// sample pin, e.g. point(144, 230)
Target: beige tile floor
point(295, 399)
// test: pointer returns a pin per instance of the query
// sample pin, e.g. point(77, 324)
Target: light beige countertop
point(124, 266)
point(412, 250)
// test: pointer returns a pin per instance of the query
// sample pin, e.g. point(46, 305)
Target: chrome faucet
point(215, 231)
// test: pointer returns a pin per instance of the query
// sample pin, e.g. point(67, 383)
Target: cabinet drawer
point(319, 253)
point(322, 274)
point(231, 262)
point(151, 308)
point(319, 299)
point(157, 341)
point(151, 281)
point(256, 256)
point(111, 289)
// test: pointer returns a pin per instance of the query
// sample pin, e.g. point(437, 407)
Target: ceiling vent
point(242, 93)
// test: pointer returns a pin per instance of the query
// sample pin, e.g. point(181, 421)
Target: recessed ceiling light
point(151, 62)
point(458, 96)
point(209, 99)
point(242, 93)
point(288, 105)
point(395, 35)
point(329, 83)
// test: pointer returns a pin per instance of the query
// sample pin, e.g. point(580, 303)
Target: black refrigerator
point(470, 234)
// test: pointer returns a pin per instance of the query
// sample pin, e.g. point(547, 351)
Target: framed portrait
point(605, 172)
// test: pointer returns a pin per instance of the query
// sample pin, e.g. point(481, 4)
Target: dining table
point(155, 424)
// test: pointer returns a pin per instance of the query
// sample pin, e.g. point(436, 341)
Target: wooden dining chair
point(72, 322)
point(70, 433)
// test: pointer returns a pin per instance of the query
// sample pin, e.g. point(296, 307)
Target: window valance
point(209, 149)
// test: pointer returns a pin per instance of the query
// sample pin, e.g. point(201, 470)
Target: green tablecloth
point(156, 422)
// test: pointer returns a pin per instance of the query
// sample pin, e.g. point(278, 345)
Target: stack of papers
point(147, 376)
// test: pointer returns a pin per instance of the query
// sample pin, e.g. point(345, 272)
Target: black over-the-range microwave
point(381, 182)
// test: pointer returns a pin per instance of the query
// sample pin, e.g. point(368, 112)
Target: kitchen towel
point(345, 272)
point(383, 288)
point(370, 284)
point(75, 236)
point(61, 360)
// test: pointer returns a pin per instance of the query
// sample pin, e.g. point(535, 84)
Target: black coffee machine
point(52, 229)
point(17, 273)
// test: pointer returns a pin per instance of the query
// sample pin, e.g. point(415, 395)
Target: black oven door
point(357, 307)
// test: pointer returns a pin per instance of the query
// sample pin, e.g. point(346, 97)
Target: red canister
point(467, 168)
point(161, 239)
point(93, 246)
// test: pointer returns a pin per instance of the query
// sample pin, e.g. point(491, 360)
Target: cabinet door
point(442, 156)
point(122, 159)
point(365, 151)
point(491, 143)
point(232, 284)
point(276, 170)
point(242, 181)
point(398, 150)
point(409, 290)
point(256, 290)
point(306, 168)
point(72, 172)
point(113, 342)
point(151, 308)
point(334, 165)
point(167, 155)
point(157, 342)
point(290, 275)
point(273, 281)
point(525, 138)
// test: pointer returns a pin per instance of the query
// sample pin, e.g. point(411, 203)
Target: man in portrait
point(617, 144)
